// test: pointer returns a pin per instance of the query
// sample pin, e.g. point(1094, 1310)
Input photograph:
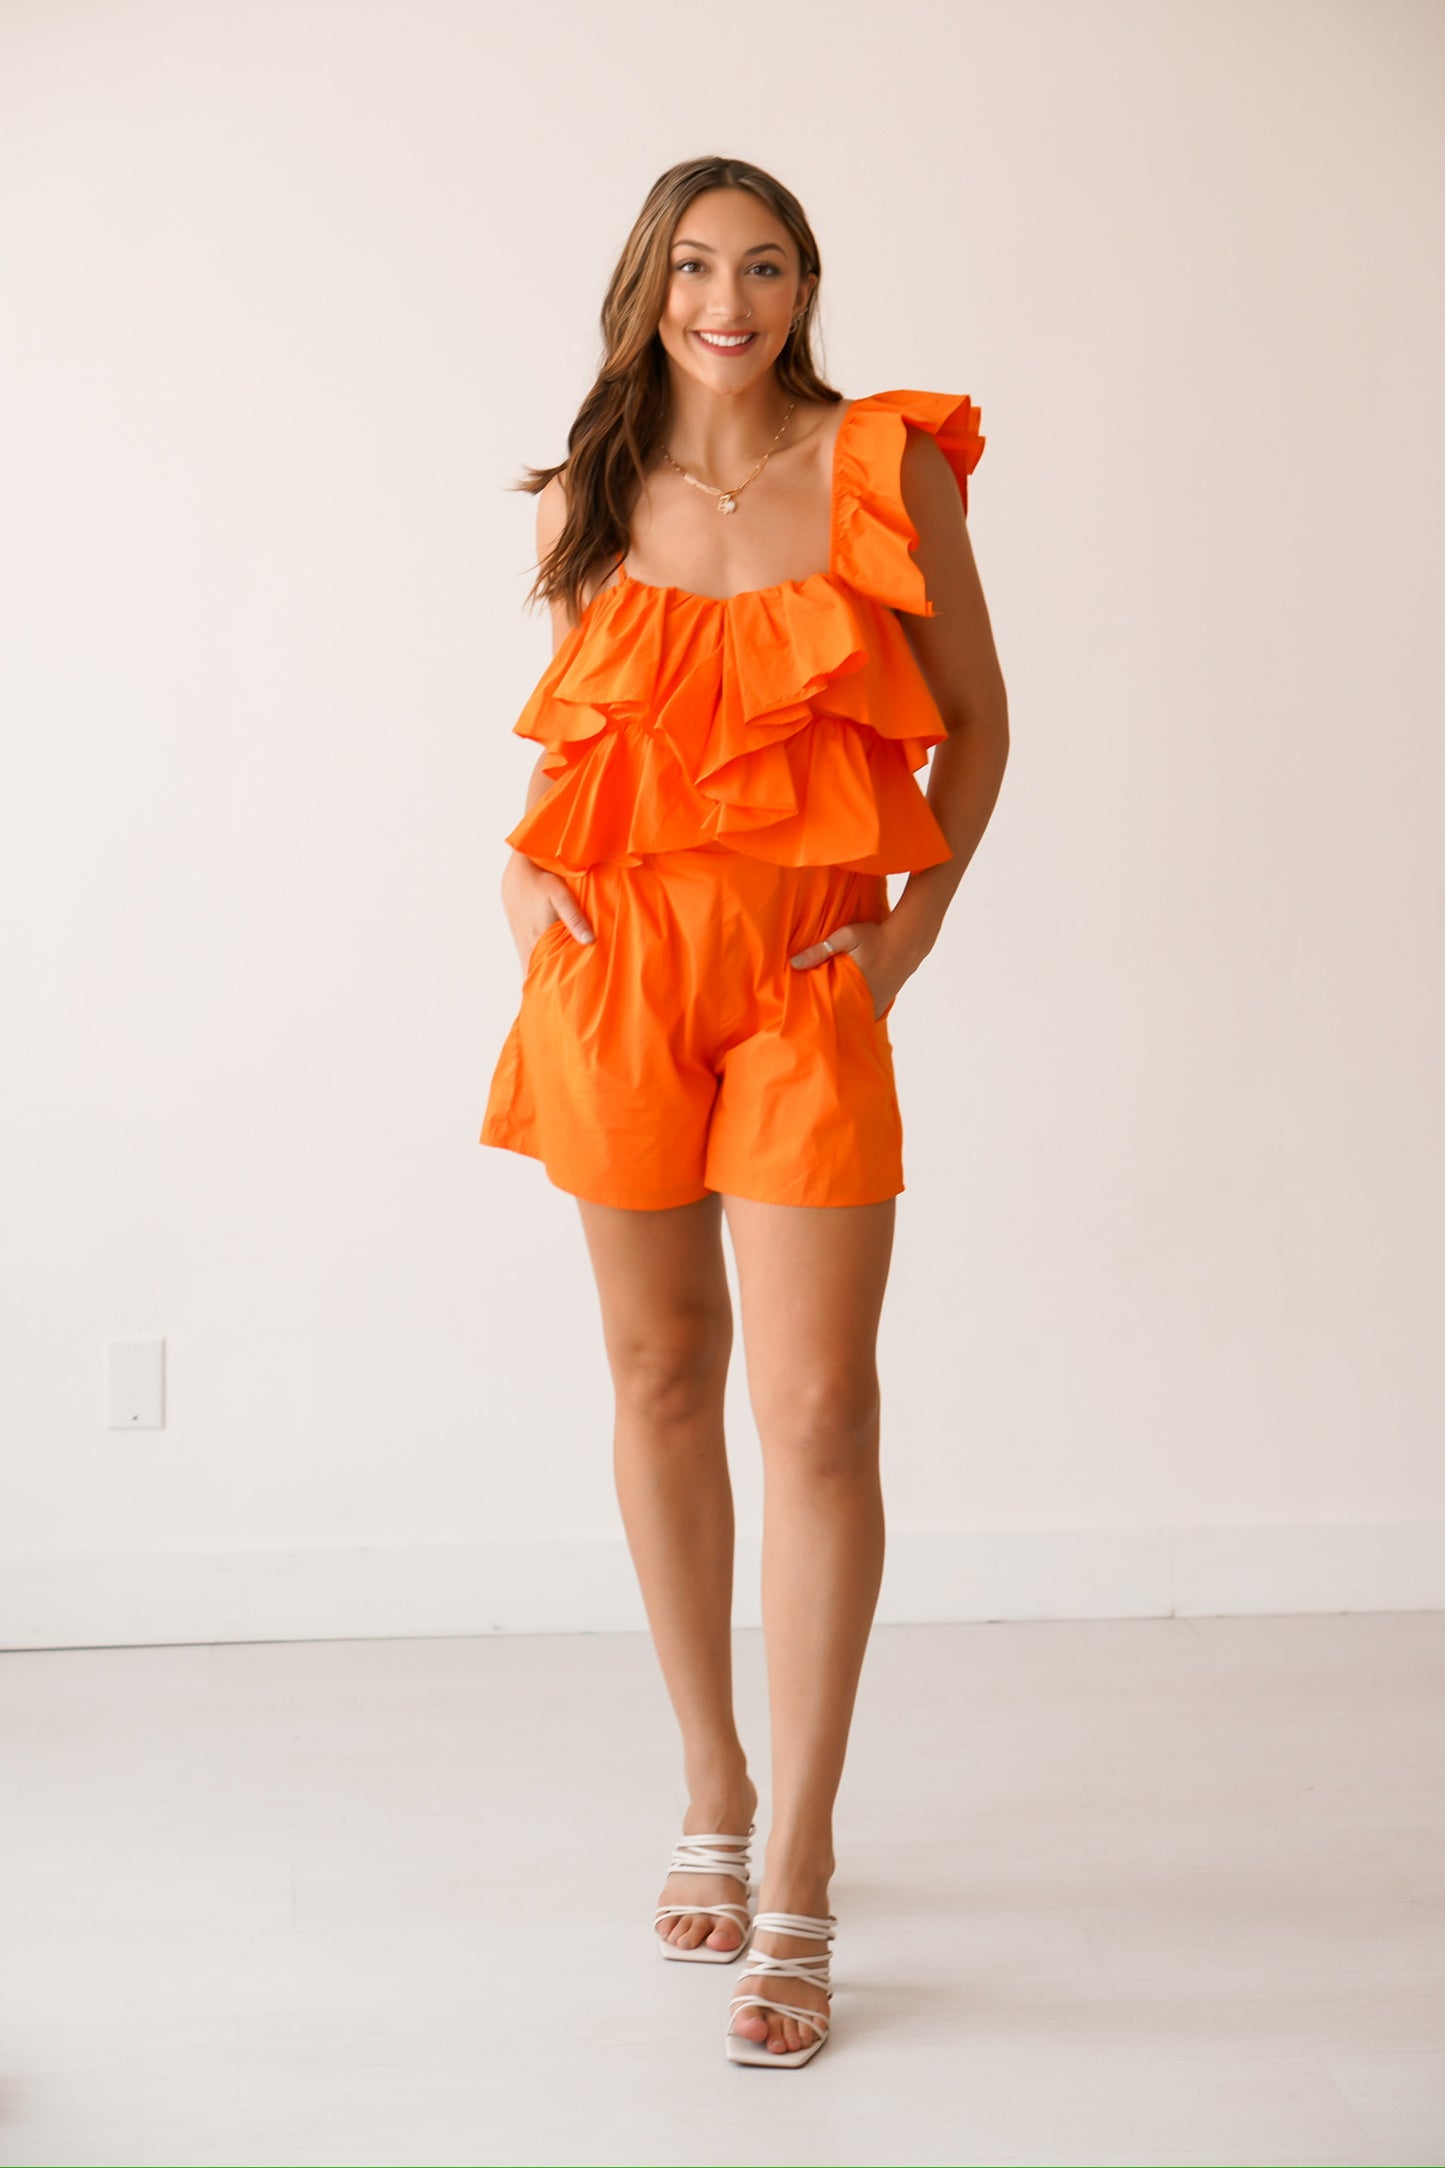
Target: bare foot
point(720, 1930)
point(771, 2028)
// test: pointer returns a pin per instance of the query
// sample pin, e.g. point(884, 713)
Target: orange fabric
point(784, 721)
point(680, 1051)
point(733, 777)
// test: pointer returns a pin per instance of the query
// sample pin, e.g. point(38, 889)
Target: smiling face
point(735, 289)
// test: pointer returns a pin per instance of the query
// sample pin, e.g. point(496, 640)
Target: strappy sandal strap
point(763, 1965)
point(818, 2019)
point(739, 1912)
point(815, 1927)
point(700, 1855)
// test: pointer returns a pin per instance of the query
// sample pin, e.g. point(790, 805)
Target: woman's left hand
point(868, 944)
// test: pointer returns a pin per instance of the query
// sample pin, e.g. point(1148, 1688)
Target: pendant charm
point(727, 504)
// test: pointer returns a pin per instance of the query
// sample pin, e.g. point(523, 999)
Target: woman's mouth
point(726, 342)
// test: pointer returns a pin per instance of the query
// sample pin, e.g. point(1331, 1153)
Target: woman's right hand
point(532, 897)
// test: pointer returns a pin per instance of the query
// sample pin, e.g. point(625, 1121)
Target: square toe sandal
point(701, 1855)
point(762, 1965)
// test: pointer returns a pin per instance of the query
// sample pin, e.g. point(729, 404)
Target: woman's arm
point(956, 653)
point(532, 895)
point(551, 512)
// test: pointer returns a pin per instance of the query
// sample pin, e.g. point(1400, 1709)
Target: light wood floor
point(1136, 1892)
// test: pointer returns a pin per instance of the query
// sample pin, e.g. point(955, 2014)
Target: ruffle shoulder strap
point(873, 536)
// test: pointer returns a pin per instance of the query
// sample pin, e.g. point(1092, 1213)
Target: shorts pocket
point(550, 931)
point(846, 956)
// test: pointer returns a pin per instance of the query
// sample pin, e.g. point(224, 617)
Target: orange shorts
point(680, 1052)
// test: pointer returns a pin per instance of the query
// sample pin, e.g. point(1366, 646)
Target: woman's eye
point(771, 268)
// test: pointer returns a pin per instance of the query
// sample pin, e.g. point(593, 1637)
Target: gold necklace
point(727, 499)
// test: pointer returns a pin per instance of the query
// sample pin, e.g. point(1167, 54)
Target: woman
point(731, 722)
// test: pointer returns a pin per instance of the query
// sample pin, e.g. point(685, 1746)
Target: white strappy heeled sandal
point(700, 1855)
point(762, 1965)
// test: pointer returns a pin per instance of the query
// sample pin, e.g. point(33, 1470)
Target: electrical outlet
point(135, 1384)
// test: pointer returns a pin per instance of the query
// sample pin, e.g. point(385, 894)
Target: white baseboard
point(75, 1599)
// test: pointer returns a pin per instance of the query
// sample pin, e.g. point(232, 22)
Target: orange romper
point(733, 778)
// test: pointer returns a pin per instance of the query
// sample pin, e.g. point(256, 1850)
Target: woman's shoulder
point(880, 420)
point(874, 532)
point(551, 511)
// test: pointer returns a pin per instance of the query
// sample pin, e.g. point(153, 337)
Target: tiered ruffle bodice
point(784, 721)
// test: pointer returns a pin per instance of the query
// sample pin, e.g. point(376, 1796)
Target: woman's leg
point(811, 1281)
point(667, 1325)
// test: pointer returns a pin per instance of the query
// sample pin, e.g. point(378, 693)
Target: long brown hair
point(619, 425)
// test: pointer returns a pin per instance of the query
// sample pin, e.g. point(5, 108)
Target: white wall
point(289, 292)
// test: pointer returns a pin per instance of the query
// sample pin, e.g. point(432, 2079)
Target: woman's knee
point(669, 1373)
point(823, 1427)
